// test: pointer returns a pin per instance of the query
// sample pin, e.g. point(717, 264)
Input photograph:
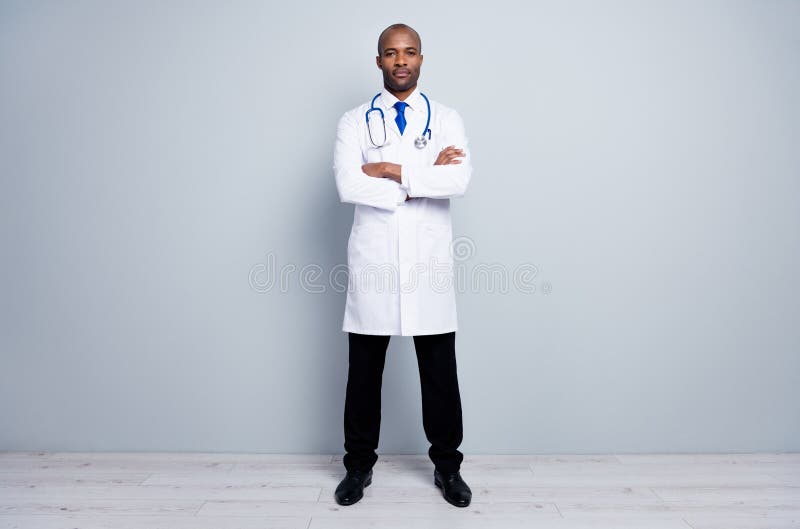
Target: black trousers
point(441, 400)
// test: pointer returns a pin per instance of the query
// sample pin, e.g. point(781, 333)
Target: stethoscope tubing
point(373, 108)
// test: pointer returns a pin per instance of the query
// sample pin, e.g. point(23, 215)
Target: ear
point(378, 61)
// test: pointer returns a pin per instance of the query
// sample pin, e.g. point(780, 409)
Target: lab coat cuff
point(403, 177)
point(409, 175)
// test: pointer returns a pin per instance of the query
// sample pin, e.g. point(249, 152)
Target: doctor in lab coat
point(401, 279)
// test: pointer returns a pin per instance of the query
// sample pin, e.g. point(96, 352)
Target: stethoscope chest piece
point(420, 142)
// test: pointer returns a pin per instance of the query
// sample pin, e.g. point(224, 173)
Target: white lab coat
point(400, 266)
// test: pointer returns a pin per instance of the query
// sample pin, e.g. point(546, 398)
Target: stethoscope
point(419, 142)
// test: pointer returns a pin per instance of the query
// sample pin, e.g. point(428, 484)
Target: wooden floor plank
point(257, 492)
point(150, 522)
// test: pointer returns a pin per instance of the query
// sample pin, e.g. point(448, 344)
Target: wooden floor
point(66, 490)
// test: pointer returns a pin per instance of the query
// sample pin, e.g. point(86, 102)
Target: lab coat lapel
point(391, 124)
point(387, 102)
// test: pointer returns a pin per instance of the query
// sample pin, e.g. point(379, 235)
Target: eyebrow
point(395, 49)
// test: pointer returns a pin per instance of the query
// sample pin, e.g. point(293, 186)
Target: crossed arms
point(386, 185)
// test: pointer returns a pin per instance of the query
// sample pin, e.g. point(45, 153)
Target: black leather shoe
point(454, 489)
point(351, 488)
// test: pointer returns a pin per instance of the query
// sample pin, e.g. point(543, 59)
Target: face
point(400, 60)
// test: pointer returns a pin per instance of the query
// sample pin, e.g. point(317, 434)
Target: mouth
point(402, 73)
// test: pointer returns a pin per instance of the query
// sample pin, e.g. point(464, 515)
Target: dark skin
point(400, 62)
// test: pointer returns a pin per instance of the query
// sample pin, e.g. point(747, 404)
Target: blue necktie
point(401, 118)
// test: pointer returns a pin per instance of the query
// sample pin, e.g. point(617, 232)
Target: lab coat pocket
point(367, 253)
point(433, 250)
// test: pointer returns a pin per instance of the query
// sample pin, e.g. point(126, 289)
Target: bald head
point(400, 59)
point(398, 27)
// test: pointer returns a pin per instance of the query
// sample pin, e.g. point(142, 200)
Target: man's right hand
point(448, 155)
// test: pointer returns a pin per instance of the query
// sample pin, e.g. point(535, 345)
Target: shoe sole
point(439, 484)
point(366, 484)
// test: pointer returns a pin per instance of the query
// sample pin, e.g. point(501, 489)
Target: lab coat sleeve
point(441, 181)
point(353, 184)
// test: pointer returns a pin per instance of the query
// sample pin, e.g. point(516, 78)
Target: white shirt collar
point(414, 99)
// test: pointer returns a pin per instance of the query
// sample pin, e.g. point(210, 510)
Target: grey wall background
point(642, 155)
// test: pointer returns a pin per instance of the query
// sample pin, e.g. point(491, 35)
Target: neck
point(401, 95)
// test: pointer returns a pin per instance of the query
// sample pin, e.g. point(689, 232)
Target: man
point(400, 166)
